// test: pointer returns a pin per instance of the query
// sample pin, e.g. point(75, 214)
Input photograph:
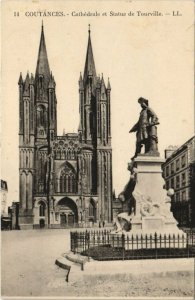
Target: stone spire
point(20, 81)
point(103, 89)
point(32, 79)
point(51, 82)
point(81, 87)
point(108, 85)
point(89, 69)
point(42, 62)
point(26, 85)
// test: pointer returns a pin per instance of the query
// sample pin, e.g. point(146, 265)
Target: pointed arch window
point(41, 116)
point(92, 210)
point(68, 180)
point(26, 160)
point(42, 207)
point(41, 132)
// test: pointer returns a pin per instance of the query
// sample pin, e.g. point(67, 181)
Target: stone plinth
point(152, 215)
point(149, 177)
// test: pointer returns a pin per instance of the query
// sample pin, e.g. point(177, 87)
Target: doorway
point(63, 220)
point(42, 223)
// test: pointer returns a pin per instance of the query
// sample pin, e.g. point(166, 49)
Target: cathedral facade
point(64, 180)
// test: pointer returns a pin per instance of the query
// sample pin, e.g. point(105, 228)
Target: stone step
point(73, 266)
point(77, 259)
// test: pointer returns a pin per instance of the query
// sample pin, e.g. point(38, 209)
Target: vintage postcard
point(98, 149)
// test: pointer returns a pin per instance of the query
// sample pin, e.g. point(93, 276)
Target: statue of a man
point(146, 130)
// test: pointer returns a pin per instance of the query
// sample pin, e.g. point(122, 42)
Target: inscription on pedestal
point(152, 223)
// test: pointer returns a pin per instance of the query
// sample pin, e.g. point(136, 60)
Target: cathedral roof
point(89, 62)
point(42, 62)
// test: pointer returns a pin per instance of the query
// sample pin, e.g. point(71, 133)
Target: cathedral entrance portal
point(68, 212)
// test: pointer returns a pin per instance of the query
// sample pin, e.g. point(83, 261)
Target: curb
point(76, 259)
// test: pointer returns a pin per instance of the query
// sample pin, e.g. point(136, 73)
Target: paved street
point(28, 269)
point(28, 259)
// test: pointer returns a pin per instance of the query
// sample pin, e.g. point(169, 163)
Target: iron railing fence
point(104, 245)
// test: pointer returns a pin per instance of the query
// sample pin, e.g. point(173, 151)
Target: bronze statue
point(146, 130)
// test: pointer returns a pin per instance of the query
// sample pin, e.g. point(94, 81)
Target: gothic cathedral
point(64, 180)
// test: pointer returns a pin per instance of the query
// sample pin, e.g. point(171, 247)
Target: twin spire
point(42, 62)
point(90, 69)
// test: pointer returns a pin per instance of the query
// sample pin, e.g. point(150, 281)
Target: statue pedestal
point(152, 203)
point(152, 219)
point(149, 177)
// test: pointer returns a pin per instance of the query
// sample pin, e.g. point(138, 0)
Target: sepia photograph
point(97, 149)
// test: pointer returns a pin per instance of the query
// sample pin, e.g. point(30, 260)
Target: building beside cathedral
point(4, 201)
point(179, 174)
point(64, 180)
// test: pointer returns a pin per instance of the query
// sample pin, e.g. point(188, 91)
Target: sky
point(144, 56)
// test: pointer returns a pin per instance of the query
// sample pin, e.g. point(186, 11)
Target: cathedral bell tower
point(26, 148)
point(95, 133)
point(37, 130)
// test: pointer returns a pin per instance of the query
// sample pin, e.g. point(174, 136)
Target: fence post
point(188, 243)
point(137, 241)
point(123, 244)
point(169, 242)
point(88, 244)
point(151, 241)
point(178, 241)
point(155, 243)
point(127, 242)
point(76, 242)
point(98, 241)
point(108, 237)
point(103, 237)
point(146, 241)
point(183, 241)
